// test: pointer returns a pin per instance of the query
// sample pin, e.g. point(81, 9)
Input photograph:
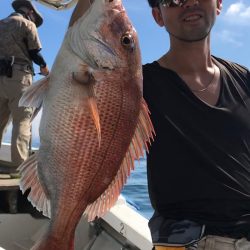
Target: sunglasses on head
point(172, 3)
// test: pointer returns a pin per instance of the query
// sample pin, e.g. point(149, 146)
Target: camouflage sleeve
point(32, 38)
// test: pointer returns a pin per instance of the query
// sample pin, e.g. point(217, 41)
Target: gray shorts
point(212, 242)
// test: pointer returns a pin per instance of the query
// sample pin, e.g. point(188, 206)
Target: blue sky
point(230, 36)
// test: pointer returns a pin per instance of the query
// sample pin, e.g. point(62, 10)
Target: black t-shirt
point(199, 164)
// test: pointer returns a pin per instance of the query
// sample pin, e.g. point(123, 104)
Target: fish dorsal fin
point(34, 95)
point(144, 133)
point(29, 179)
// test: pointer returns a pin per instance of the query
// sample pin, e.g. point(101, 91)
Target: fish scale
point(91, 141)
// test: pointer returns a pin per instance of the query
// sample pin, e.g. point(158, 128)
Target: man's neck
point(19, 13)
point(187, 58)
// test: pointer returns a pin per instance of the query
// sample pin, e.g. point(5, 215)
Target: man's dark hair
point(153, 3)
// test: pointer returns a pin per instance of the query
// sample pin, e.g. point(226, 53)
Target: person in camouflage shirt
point(19, 48)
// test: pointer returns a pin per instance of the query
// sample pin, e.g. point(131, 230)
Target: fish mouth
point(114, 4)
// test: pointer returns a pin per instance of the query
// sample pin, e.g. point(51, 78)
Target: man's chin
point(191, 38)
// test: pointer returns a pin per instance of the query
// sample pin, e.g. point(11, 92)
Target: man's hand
point(44, 70)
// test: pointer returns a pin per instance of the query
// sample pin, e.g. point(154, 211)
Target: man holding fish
point(199, 164)
point(94, 123)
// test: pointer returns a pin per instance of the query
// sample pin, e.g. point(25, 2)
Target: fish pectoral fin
point(86, 78)
point(92, 103)
point(34, 95)
point(29, 180)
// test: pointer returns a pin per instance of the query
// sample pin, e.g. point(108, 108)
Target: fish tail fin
point(29, 179)
point(144, 134)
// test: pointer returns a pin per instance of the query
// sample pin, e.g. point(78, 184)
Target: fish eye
point(127, 40)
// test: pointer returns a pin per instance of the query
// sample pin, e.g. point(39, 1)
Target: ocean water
point(135, 190)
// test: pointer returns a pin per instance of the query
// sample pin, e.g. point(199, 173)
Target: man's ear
point(156, 12)
point(219, 6)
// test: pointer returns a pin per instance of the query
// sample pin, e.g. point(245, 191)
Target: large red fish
point(95, 123)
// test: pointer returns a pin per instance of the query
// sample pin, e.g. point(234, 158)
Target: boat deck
point(9, 186)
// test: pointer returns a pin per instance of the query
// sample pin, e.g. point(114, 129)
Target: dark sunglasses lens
point(172, 3)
